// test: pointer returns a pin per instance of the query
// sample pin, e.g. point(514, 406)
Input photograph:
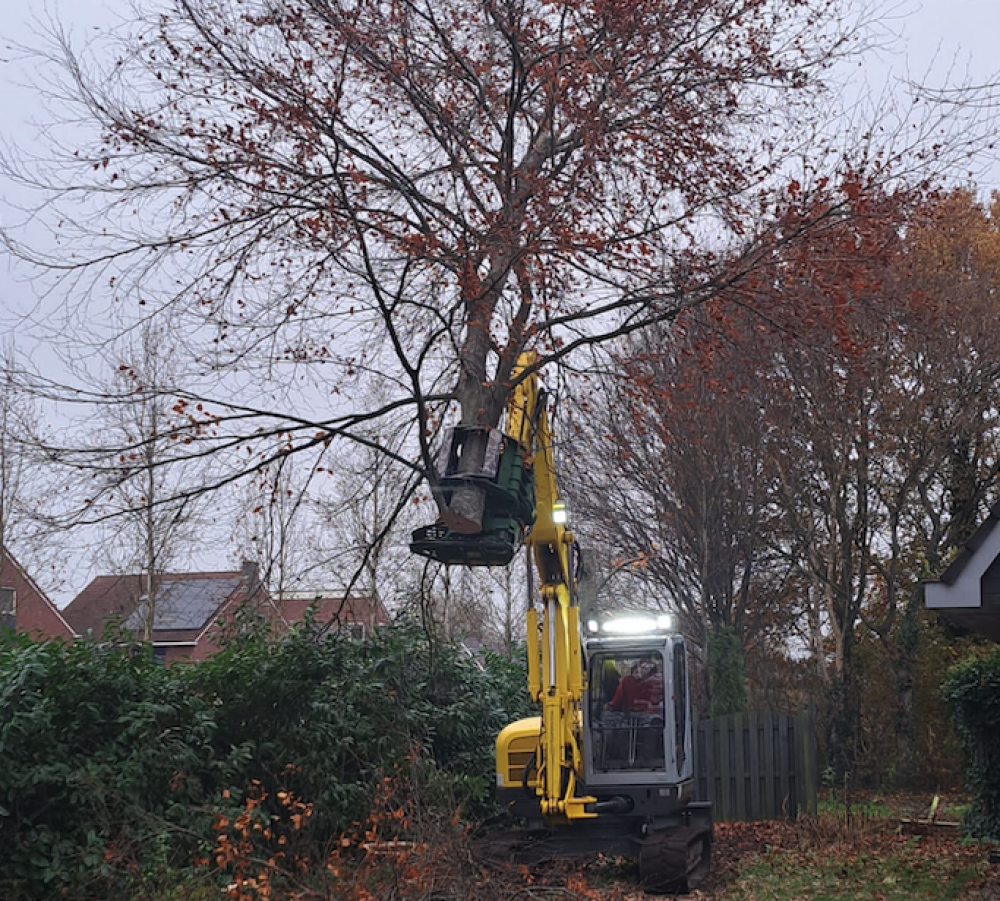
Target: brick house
point(25, 607)
point(356, 615)
point(193, 610)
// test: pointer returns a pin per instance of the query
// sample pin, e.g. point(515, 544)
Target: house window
point(356, 631)
point(160, 654)
point(8, 608)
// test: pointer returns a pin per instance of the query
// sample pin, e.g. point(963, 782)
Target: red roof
point(187, 602)
point(328, 607)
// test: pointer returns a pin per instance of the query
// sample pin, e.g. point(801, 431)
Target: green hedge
point(115, 767)
point(972, 691)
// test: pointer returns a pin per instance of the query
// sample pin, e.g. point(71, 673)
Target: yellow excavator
point(607, 766)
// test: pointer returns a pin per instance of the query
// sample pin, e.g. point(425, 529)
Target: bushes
point(116, 767)
point(972, 692)
point(93, 742)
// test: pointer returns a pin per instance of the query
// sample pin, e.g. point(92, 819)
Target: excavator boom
point(515, 478)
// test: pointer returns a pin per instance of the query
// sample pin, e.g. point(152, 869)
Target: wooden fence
point(757, 766)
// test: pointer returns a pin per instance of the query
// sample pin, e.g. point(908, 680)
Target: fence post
point(808, 762)
point(740, 766)
point(753, 764)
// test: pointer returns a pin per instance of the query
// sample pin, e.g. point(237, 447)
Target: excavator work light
point(560, 515)
point(632, 624)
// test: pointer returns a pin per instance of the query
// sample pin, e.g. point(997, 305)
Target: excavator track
point(675, 861)
point(671, 861)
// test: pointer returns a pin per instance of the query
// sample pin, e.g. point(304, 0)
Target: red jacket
point(638, 695)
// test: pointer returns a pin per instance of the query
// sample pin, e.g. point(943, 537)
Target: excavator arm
point(496, 491)
point(507, 480)
point(555, 664)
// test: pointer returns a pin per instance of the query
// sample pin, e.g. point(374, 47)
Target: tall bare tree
point(272, 527)
point(12, 457)
point(25, 477)
point(147, 516)
point(675, 471)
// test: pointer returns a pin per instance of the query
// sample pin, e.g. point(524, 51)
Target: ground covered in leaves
point(872, 852)
point(827, 858)
point(831, 858)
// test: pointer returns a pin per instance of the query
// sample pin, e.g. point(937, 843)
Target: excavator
point(607, 764)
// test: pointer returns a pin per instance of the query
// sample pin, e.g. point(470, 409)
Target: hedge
point(972, 692)
point(116, 768)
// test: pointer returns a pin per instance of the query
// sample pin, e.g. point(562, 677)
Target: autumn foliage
point(402, 848)
point(427, 188)
point(792, 458)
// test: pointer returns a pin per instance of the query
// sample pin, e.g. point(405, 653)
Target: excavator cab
point(636, 733)
point(636, 722)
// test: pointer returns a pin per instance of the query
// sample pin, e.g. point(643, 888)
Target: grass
point(821, 877)
point(832, 858)
point(894, 806)
point(872, 808)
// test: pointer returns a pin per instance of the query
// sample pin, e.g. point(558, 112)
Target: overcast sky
point(937, 42)
point(934, 42)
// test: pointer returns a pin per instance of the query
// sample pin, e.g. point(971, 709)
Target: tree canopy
point(412, 192)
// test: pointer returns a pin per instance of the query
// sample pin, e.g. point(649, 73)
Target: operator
point(639, 691)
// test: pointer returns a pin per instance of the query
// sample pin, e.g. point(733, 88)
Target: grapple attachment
point(486, 492)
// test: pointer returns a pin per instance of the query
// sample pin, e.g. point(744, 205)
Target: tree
point(426, 189)
point(26, 486)
point(882, 383)
point(685, 485)
point(273, 527)
point(365, 518)
point(804, 444)
point(16, 424)
point(947, 414)
point(147, 515)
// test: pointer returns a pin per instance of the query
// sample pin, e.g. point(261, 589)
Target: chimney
point(249, 578)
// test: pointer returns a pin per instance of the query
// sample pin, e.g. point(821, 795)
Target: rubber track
point(675, 861)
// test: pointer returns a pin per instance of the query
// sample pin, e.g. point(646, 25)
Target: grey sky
point(933, 40)
point(939, 42)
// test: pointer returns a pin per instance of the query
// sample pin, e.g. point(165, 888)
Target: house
point(25, 607)
point(193, 610)
point(356, 615)
point(968, 591)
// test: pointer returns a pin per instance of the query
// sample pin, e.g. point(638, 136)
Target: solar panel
point(185, 603)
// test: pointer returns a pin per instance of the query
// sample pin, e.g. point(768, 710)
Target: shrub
point(100, 748)
point(116, 768)
point(345, 712)
point(972, 691)
point(727, 689)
